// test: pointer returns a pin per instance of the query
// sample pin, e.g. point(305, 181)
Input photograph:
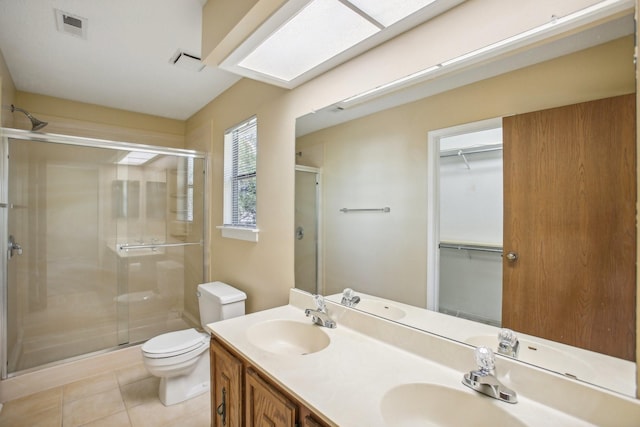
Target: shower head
point(35, 123)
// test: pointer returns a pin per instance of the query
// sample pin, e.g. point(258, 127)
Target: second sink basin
point(288, 337)
point(542, 355)
point(424, 404)
point(380, 308)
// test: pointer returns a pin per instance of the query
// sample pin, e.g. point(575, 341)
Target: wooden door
point(569, 214)
point(265, 406)
point(226, 388)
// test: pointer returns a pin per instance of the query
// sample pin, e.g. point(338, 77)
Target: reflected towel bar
point(125, 247)
point(470, 247)
point(385, 210)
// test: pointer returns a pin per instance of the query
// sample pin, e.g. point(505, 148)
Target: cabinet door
point(570, 215)
point(265, 406)
point(226, 388)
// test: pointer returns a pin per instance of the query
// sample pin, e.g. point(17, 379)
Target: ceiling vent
point(187, 61)
point(71, 24)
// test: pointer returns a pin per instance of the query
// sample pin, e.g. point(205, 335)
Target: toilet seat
point(174, 343)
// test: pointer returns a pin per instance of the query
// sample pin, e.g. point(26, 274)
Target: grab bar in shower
point(470, 247)
point(385, 210)
point(153, 246)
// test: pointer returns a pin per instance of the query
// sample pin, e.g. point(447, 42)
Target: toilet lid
point(174, 343)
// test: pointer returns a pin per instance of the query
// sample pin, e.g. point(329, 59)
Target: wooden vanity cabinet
point(244, 397)
point(226, 388)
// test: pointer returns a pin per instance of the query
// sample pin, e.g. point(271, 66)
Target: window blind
point(240, 174)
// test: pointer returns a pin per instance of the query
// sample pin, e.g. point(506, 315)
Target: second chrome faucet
point(484, 379)
point(349, 298)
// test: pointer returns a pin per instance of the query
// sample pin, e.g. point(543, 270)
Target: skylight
point(136, 158)
point(388, 12)
point(315, 35)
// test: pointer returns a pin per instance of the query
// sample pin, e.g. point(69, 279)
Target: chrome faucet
point(349, 299)
point(484, 380)
point(508, 343)
point(319, 315)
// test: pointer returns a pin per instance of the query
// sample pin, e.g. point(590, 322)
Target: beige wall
point(380, 160)
point(260, 269)
point(68, 117)
point(221, 16)
point(197, 139)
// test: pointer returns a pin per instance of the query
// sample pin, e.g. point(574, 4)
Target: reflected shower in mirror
point(380, 153)
point(126, 197)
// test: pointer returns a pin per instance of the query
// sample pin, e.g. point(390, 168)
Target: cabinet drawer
point(265, 406)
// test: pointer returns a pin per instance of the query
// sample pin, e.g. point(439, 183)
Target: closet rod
point(470, 247)
point(471, 150)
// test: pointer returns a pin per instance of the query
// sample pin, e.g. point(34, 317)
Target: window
point(240, 149)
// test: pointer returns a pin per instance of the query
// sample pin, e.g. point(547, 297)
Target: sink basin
point(542, 355)
point(424, 404)
point(288, 337)
point(380, 308)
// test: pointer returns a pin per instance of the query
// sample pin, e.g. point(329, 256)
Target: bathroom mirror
point(352, 143)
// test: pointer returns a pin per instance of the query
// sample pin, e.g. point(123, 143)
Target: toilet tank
point(219, 301)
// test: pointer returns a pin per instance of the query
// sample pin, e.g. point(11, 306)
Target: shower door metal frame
point(319, 261)
point(18, 134)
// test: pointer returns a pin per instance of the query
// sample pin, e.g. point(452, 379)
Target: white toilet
point(181, 359)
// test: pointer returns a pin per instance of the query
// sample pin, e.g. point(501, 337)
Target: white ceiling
point(123, 63)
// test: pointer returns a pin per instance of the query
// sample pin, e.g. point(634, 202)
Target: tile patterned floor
point(127, 397)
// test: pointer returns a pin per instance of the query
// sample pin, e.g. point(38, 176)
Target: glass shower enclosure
point(103, 240)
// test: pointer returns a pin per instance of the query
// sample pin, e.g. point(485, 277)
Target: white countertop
point(368, 356)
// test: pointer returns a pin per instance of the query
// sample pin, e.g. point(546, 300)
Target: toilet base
point(183, 387)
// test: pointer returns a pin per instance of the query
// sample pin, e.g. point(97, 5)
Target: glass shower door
point(61, 296)
point(307, 271)
point(108, 245)
point(159, 215)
